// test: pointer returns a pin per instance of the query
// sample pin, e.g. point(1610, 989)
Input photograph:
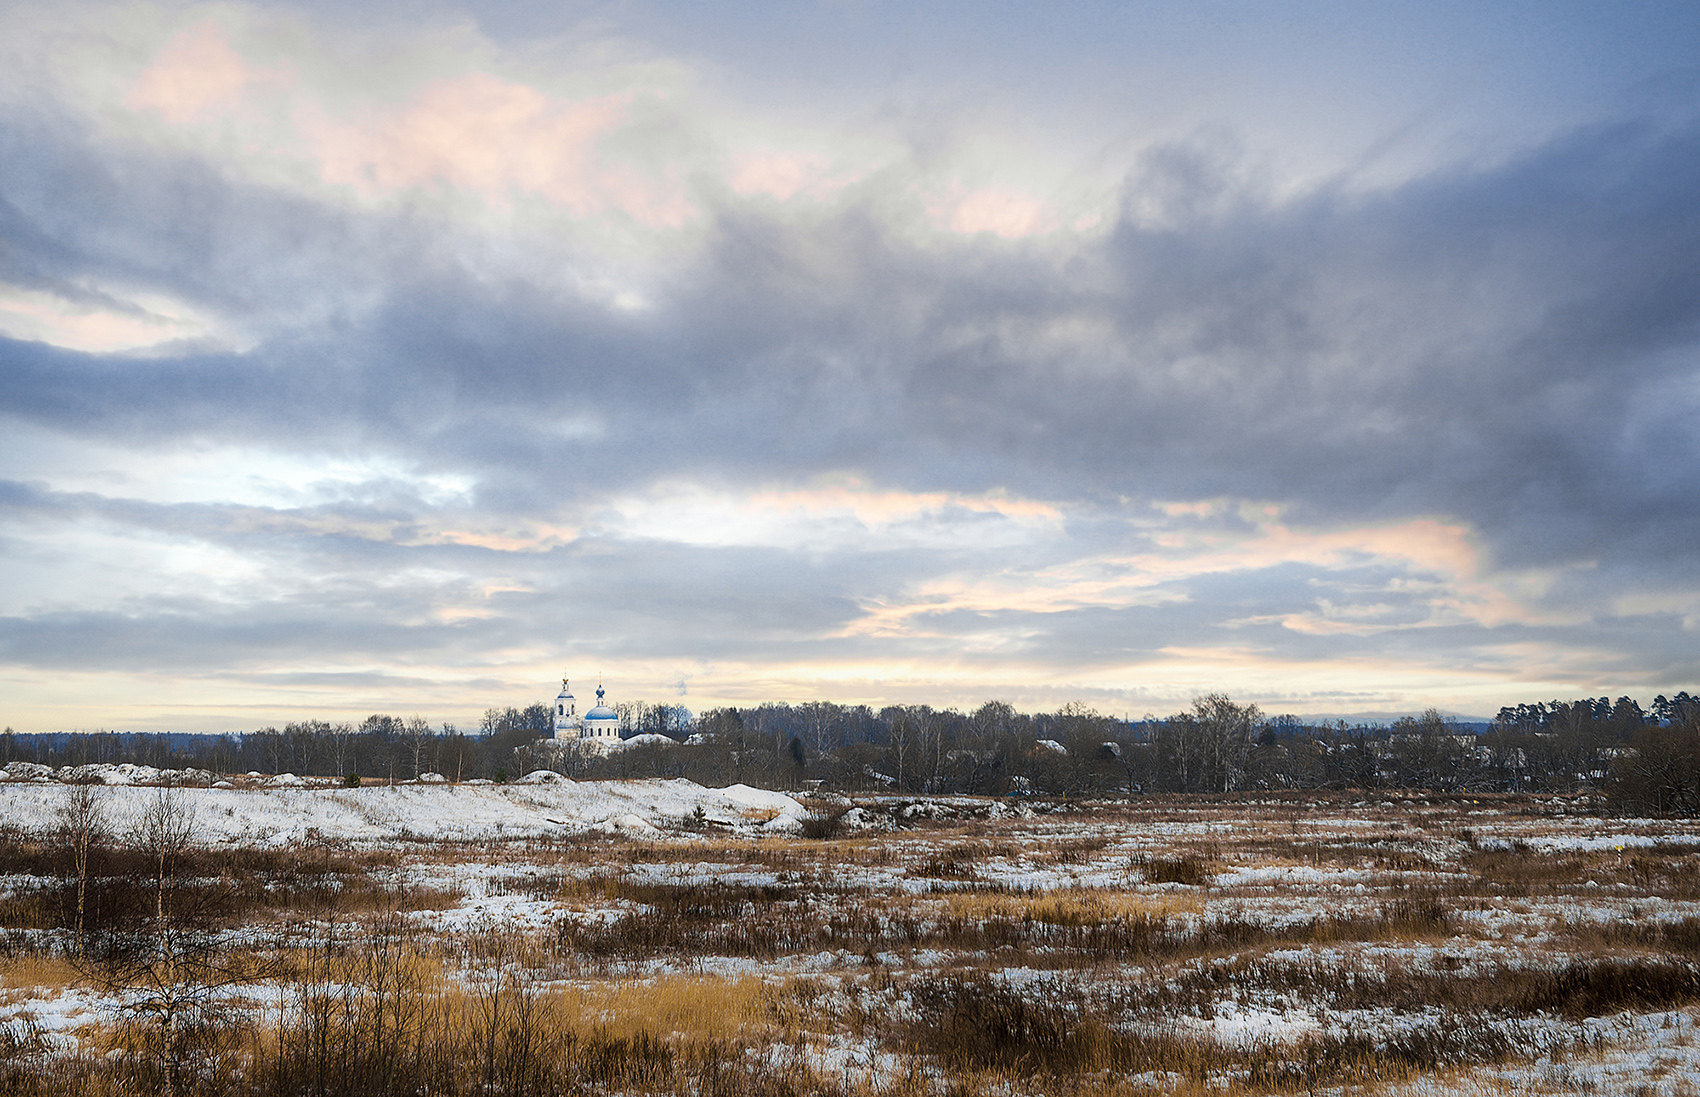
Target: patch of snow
point(101, 773)
point(760, 799)
point(649, 739)
point(199, 777)
point(59, 1015)
point(1600, 843)
point(630, 825)
point(1287, 875)
point(1243, 1026)
point(286, 811)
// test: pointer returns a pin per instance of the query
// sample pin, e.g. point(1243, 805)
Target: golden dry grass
point(1085, 906)
point(33, 975)
point(886, 906)
point(689, 1006)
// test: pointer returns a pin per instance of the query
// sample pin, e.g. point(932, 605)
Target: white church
point(599, 722)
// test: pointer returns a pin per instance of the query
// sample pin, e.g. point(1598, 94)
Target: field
point(949, 946)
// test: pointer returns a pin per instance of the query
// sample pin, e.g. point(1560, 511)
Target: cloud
point(498, 139)
point(1008, 214)
point(97, 322)
point(196, 74)
point(416, 359)
point(780, 175)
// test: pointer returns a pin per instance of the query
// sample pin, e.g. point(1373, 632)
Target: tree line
point(1648, 758)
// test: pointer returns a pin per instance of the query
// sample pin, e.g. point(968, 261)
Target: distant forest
point(1645, 759)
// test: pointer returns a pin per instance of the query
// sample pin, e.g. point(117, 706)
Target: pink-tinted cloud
point(499, 139)
point(875, 507)
point(1440, 558)
point(46, 318)
point(197, 73)
point(777, 174)
point(529, 537)
point(1006, 213)
point(788, 175)
point(478, 133)
point(540, 537)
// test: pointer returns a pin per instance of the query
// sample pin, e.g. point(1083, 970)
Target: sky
point(405, 357)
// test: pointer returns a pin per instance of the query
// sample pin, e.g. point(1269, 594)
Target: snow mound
point(101, 773)
point(104, 773)
point(604, 747)
point(630, 825)
point(433, 779)
point(599, 747)
point(286, 810)
point(649, 739)
point(760, 799)
point(857, 819)
point(542, 777)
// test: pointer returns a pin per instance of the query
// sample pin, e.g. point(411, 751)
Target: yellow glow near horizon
point(1436, 566)
point(121, 700)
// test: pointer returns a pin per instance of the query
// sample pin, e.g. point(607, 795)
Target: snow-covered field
point(1398, 945)
point(540, 805)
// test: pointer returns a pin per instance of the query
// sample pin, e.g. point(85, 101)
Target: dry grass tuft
point(1116, 986)
point(693, 1007)
point(1081, 907)
point(972, 1023)
point(1189, 869)
point(33, 973)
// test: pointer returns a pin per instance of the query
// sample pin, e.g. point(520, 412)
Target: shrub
point(1189, 869)
point(824, 824)
point(1659, 774)
point(351, 781)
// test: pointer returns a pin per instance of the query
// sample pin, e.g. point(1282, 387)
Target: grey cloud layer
point(1514, 346)
point(1547, 291)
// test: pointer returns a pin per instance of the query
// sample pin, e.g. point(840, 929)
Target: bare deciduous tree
point(83, 816)
point(1225, 729)
point(418, 735)
point(820, 721)
point(901, 738)
point(342, 748)
point(170, 966)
